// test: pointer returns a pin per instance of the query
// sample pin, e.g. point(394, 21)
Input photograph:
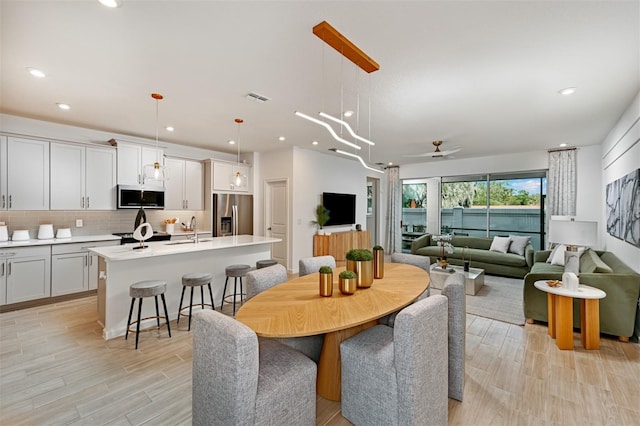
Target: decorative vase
point(443, 262)
point(326, 284)
point(364, 271)
point(378, 264)
point(348, 285)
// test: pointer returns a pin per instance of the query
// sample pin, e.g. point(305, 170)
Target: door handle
point(2, 273)
point(9, 269)
point(3, 201)
point(269, 229)
point(9, 201)
point(87, 202)
point(82, 202)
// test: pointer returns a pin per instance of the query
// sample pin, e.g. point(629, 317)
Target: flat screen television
point(342, 208)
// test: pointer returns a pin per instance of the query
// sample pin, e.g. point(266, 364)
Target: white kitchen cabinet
point(25, 273)
point(74, 268)
point(4, 197)
point(131, 161)
point(82, 178)
point(184, 186)
point(27, 178)
point(223, 176)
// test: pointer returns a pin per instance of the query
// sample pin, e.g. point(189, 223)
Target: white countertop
point(583, 292)
point(76, 239)
point(164, 248)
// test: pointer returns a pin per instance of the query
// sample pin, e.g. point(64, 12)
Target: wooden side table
point(560, 314)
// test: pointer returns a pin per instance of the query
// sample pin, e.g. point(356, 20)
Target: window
point(499, 204)
point(414, 211)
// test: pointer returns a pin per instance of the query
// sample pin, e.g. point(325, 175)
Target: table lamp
point(573, 233)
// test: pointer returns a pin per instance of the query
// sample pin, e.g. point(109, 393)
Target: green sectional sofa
point(495, 263)
point(622, 284)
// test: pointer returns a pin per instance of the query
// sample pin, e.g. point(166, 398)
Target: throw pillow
point(587, 262)
point(500, 244)
point(598, 264)
point(553, 252)
point(518, 244)
point(557, 255)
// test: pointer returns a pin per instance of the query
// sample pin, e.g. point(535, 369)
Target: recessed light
point(111, 3)
point(169, 128)
point(390, 163)
point(36, 72)
point(63, 106)
point(567, 91)
point(232, 142)
point(314, 143)
point(281, 138)
point(348, 113)
point(563, 145)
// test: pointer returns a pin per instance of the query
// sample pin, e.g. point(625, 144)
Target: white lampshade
point(573, 232)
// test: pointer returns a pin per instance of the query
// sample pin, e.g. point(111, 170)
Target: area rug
point(499, 299)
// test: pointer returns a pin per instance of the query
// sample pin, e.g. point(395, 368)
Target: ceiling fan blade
point(436, 154)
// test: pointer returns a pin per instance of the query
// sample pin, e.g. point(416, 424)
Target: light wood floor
point(55, 368)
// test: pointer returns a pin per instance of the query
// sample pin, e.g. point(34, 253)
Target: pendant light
point(238, 178)
point(155, 171)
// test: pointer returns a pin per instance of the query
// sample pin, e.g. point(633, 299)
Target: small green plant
point(325, 270)
point(359, 255)
point(322, 216)
point(377, 248)
point(348, 275)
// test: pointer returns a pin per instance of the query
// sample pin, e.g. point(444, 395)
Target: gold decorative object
point(443, 262)
point(364, 270)
point(378, 264)
point(326, 284)
point(348, 285)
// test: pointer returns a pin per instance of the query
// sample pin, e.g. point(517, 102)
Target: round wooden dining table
point(295, 308)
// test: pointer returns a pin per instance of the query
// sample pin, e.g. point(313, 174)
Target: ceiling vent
point(256, 97)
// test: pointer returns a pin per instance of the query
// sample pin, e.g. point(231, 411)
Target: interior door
point(277, 219)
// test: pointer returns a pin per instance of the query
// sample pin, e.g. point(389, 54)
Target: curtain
point(562, 182)
point(394, 210)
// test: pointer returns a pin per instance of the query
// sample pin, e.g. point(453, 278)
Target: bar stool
point(195, 279)
point(235, 271)
point(143, 289)
point(265, 263)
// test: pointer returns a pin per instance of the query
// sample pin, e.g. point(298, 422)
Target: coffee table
point(473, 280)
point(560, 314)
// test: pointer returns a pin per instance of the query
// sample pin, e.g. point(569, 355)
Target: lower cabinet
point(74, 268)
point(25, 274)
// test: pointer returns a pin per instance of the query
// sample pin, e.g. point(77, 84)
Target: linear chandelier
point(346, 48)
point(348, 154)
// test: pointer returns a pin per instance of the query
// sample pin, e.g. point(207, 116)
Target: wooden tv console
point(337, 244)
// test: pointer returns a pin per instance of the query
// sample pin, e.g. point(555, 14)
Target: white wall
point(620, 156)
point(310, 173)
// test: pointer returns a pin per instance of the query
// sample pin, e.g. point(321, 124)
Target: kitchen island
point(121, 266)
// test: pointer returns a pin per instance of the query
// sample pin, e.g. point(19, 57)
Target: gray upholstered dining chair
point(398, 376)
point(457, 328)
point(422, 262)
point(309, 265)
point(239, 379)
point(262, 279)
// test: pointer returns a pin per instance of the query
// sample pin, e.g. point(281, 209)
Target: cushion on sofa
point(556, 257)
point(590, 262)
point(518, 244)
point(546, 268)
point(500, 244)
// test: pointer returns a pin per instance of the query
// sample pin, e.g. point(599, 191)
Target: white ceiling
point(481, 75)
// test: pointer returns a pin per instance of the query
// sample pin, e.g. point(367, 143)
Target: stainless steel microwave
point(136, 196)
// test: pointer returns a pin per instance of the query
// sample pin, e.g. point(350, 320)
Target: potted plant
point(378, 262)
point(360, 261)
point(322, 217)
point(348, 282)
point(326, 281)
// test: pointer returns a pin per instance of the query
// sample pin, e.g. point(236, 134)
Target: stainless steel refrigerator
point(232, 214)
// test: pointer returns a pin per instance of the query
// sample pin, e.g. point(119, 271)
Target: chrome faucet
point(194, 226)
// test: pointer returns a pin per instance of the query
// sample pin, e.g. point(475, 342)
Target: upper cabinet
point(184, 184)
point(82, 178)
point(24, 180)
point(222, 175)
point(131, 161)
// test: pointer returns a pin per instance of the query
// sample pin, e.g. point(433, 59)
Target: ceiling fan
point(437, 153)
